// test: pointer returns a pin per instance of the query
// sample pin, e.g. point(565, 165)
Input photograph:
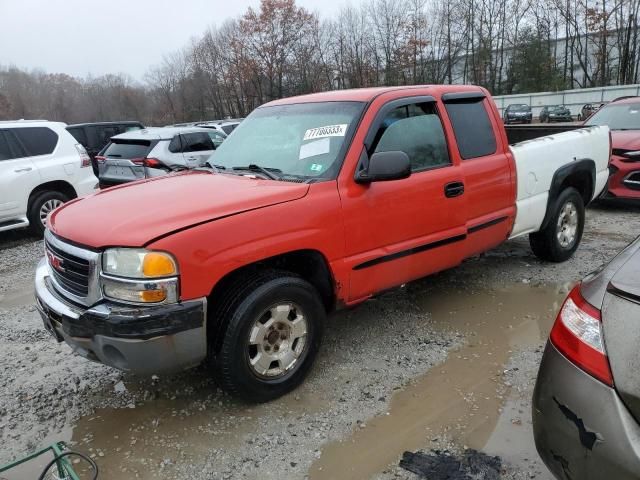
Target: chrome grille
point(74, 271)
point(69, 271)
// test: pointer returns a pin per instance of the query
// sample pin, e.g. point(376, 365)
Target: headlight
point(138, 263)
point(135, 275)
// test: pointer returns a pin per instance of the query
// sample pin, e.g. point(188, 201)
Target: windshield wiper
point(266, 171)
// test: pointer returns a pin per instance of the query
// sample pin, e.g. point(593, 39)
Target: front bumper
point(146, 339)
point(581, 427)
point(619, 185)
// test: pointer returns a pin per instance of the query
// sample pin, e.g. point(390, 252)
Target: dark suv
point(555, 113)
point(94, 136)
point(517, 113)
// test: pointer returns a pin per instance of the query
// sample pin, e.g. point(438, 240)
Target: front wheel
point(42, 205)
point(274, 327)
point(560, 238)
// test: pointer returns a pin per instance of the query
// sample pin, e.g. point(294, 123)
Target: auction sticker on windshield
point(328, 131)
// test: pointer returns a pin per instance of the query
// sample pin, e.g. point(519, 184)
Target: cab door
point(486, 168)
point(400, 230)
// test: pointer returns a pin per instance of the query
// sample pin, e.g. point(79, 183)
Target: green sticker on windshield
point(316, 167)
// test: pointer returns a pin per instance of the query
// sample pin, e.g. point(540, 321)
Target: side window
point(79, 134)
point(474, 133)
point(216, 137)
point(175, 145)
point(415, 129)
point(196, 142)
point(37, 140)
point(104, 134)
point(5, 150)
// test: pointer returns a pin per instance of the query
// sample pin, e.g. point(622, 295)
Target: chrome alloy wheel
point(48, 207)
point(567, 225)
point(277, 339)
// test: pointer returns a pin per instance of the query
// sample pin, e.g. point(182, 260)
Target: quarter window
point(37, 140)
point(416, 130)
point(473, 130)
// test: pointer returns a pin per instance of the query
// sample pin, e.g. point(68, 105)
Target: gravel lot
point(371, 395)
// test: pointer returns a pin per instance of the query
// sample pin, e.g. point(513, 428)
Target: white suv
point(41, 167)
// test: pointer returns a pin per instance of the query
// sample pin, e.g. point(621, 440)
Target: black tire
point(243, 305)
point(546, 243)
point(36, 224)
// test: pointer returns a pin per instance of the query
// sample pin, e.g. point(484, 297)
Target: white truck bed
point(538, 160)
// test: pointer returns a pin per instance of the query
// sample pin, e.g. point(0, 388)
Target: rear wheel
point(560, 238)
point(274, 327)
point(42, 205)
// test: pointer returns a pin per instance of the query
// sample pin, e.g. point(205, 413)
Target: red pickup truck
point(314, 203)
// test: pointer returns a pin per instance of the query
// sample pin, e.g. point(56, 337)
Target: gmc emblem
point(56, 262)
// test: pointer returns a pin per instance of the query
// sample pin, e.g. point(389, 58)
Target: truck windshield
point(305, 140)
point(624, 116)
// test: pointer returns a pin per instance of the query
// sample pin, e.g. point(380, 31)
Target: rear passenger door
point(18, 177)
point(486, 170)
point(197, 147)
point(400, 230)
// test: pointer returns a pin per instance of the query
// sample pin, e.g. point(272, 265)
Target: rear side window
point(229, 128)
point(79, 134)
point(196, 142)
point(37, 140)
point(7, 151)
point(128, 149)
point(416, 130)
point(473, 130)
point(216, 137)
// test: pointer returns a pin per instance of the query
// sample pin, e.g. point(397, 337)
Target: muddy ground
point(446, 363)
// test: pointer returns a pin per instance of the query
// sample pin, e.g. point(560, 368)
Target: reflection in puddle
point(460, 398)
point(146, 442)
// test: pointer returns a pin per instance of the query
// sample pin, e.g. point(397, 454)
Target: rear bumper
point(581, 427)
point(142, 340)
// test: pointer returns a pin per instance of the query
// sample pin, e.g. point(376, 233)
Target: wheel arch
point(56, 186)
point(580, 174)
point(310, 265)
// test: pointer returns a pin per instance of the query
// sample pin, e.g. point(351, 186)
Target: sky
point(94, 37)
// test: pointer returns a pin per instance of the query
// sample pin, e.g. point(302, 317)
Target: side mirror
point(384, 166)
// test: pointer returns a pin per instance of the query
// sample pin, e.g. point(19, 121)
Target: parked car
point(224, 126)
point(41, 167)
point(95, 136)
point(589, 109)
point(555, 113)
point(586, 404)
point(155, 151)
point(517, 113)
point(315, 203)
point(623, 118)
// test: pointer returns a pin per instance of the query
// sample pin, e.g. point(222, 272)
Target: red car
point(313, 204)
point(623, 118)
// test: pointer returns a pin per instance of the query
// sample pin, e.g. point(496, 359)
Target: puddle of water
point(145, 442)
point(459, 398)
point(32, 469)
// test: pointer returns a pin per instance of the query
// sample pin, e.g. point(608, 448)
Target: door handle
point(27, 169)
point(453, 189)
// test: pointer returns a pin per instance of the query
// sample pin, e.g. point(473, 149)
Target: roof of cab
point(366, 94)
point(157, 133)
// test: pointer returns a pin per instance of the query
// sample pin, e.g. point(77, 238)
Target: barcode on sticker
point(328, 131)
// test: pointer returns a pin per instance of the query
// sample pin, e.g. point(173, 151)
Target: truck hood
point(625, 139)
point(136, 213)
